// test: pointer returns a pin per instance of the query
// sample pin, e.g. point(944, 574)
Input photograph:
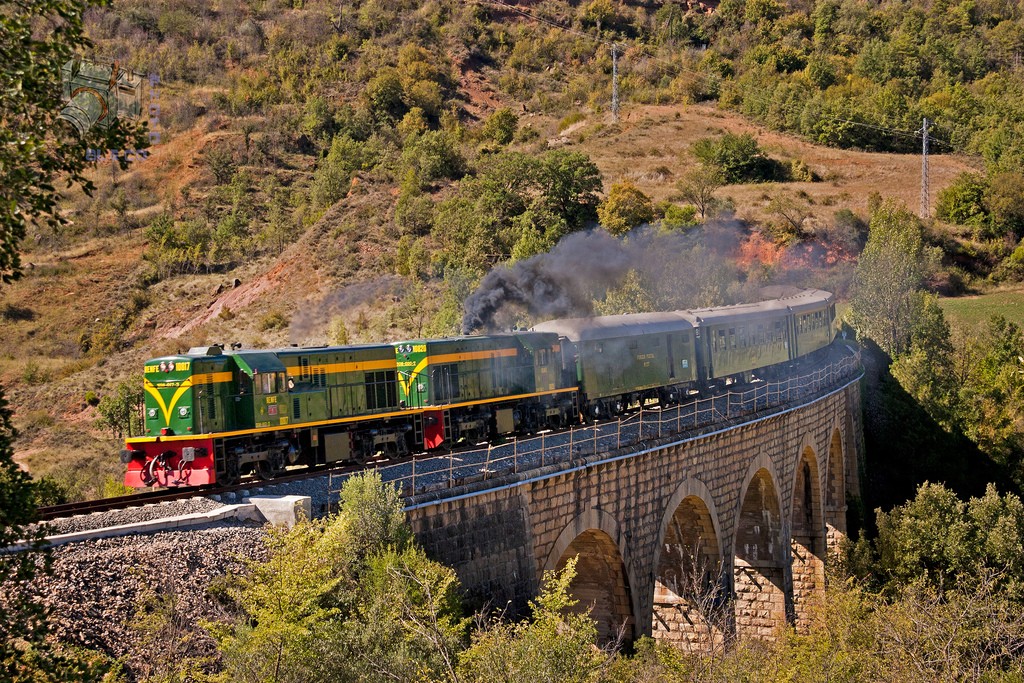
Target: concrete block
point(283, 510)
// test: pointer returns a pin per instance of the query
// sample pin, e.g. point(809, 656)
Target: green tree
point(558, 643)
point(992, 394)
point(699, 185)
point(633, 295)
point(963, 201)
point(500, 126)
point(570, 182)
point(891, 271)
point(434, 156)
point(37, 37)
point(289, 606)
point(333, 176)
point(1003, 201)
point(36, 147)
point(120, 412)
point(947, 543)
point(927, 372)
point(625, 208)
point(738, 156)
point(344, 598)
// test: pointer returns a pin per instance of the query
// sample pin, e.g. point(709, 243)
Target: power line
point(914, 134)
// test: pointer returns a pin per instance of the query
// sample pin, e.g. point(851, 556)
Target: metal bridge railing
point(566, 448)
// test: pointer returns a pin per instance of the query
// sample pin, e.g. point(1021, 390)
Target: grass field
point(972, 311)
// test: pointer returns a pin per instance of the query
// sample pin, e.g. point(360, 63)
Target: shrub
point(49, 490)
point(120, 412)
point(275, 320)
point(679, 217)
point(501, 126)
point(433, 156)
point(91, 398)
point(738, 156)
point(625, 208)
point(569, 119)
point(221, 163)
point(963, 202)
point(33, 374)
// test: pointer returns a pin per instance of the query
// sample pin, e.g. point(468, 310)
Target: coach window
point(742, 332)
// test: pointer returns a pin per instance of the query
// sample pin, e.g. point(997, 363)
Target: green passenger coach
point(622, 359)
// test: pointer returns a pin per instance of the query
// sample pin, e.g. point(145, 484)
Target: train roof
point(305, 350)
point(801, 301)
point(611, 326)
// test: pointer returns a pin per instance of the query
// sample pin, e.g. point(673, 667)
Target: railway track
point(51, 512)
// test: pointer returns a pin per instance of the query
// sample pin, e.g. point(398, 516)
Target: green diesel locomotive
point(212, 414)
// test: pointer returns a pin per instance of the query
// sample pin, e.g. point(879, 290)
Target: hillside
point(331, 174)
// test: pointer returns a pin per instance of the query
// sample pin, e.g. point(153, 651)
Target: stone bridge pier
point(687, 539)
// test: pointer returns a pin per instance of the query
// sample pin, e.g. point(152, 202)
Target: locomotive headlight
point(152, 412)
point(183, 411)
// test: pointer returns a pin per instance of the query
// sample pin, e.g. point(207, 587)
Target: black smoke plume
point(560, 283)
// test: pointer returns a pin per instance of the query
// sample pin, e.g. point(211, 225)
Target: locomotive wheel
point(232, 471)
point(268, 469)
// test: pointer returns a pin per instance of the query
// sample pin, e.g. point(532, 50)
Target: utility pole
point(615, 83)
point(924, 170)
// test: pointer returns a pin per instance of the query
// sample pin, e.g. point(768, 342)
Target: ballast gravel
point(142, 513)
point(97, 588)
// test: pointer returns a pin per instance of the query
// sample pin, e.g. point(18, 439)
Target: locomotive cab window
point(542, 357)
point(244, 384)
point(268, 383)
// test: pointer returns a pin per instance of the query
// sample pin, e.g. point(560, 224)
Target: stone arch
point(603, 575)
point(758, 559)
point(835, 492)
point(689, 586)
point(807, 541)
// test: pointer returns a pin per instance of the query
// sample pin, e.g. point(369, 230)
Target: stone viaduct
point(686, 539)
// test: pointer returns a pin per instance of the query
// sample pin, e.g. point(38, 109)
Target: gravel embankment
point(97, 587)
point(144, 513)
